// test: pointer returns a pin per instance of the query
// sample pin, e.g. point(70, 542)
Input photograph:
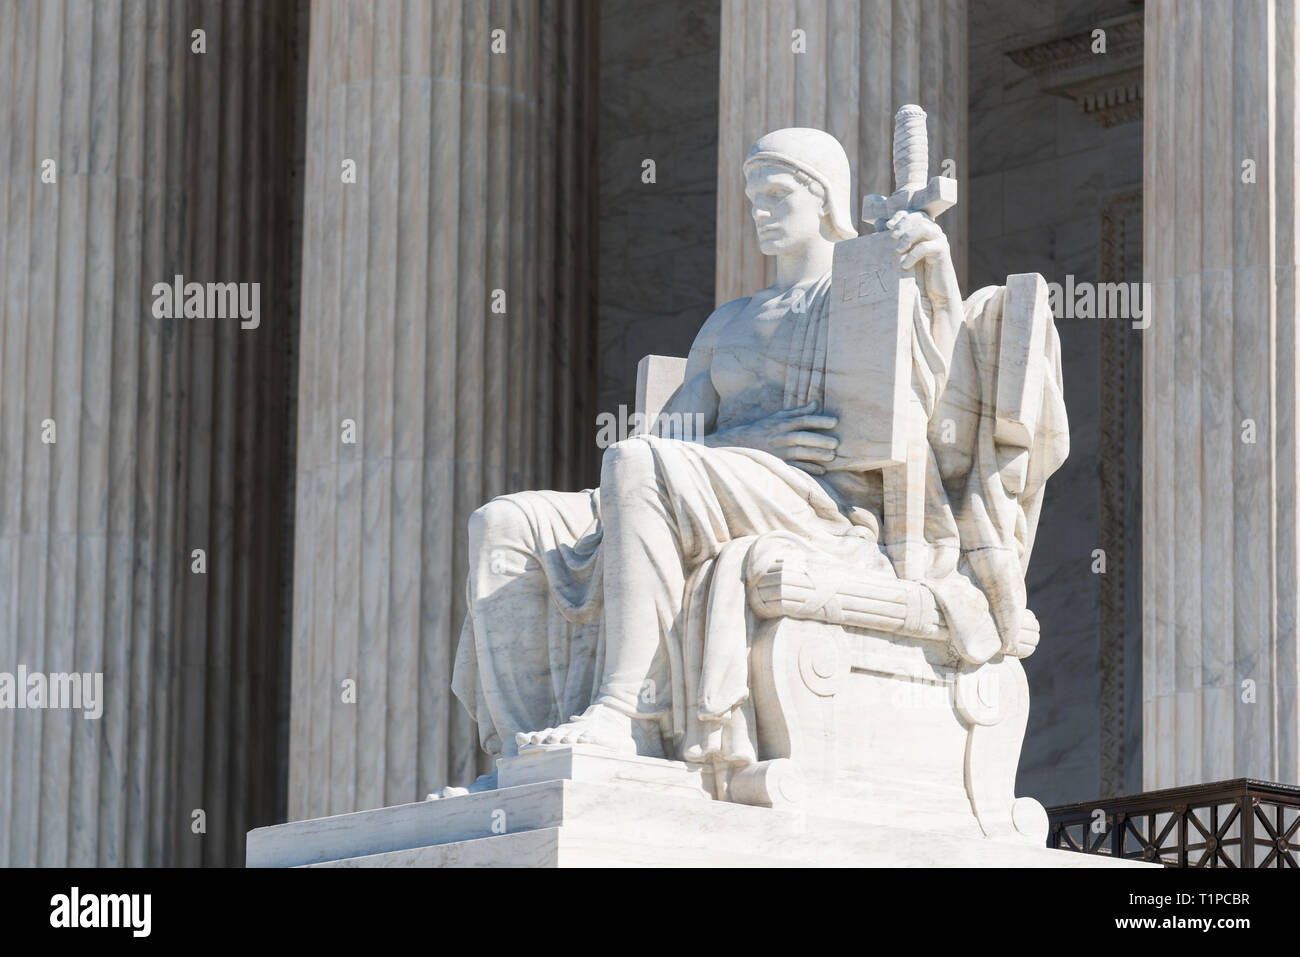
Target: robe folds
point(542, 550)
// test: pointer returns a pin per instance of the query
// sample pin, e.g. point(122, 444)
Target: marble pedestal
point(573, 807)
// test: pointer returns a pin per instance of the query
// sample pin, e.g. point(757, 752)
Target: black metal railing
point(1239, 823)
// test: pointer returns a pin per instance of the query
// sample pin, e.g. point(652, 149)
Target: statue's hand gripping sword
point(911, 162)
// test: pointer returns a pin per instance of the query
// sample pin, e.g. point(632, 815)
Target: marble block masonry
point(795, 639)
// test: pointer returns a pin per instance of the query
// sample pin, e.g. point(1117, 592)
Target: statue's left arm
point(922, 245)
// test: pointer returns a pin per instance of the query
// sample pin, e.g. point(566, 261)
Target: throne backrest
point(657, 378)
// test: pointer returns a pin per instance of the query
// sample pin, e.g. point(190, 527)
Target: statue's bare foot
point(600, 725)
point(485, 782)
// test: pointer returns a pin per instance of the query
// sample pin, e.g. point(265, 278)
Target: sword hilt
point(914, 191)
point(911, 148)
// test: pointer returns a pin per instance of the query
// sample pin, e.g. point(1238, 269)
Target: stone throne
point(867, 707)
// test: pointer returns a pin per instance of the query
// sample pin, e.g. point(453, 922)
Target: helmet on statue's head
point(821, 158)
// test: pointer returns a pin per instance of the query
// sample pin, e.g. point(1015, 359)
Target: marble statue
point(821, 599)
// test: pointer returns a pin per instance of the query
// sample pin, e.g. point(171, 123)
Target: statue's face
point(787, 214)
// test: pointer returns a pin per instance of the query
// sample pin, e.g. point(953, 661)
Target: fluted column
point(445, 359)
point(1221, 462)
point(862, 60)
point(166, 162)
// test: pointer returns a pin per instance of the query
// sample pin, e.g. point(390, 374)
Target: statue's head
point(797, 181)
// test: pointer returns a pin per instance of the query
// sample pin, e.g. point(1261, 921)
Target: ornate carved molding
point(1106, 86)
point(1117, 212)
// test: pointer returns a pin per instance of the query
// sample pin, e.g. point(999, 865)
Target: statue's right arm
point(696, 396)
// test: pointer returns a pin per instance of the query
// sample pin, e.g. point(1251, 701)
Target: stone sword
point(911, 161)
point(868, 380)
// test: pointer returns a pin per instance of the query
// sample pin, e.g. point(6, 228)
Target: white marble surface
point(1025, 318)
point(582, 823)
point(598, 766)
point(627, 620)
point(1221, 452)
point(869, 353)
point(657, 378)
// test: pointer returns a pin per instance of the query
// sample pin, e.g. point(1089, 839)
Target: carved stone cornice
point(1106, 86)
point(1119, 356)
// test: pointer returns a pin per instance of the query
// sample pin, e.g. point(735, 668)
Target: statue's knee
point(499, 522)
point(631, 459)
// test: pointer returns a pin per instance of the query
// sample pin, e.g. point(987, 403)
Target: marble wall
point(658, 100)
point(1044, 177)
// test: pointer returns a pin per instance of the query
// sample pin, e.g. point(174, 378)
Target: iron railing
point(1239, 823)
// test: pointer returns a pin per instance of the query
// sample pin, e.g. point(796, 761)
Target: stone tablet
point(1021, 359)
point(869, 352)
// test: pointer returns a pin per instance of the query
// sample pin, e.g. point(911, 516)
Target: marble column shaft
point(168, 162)
point(1221, 461)
point(472, 175)
point(863, 61)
